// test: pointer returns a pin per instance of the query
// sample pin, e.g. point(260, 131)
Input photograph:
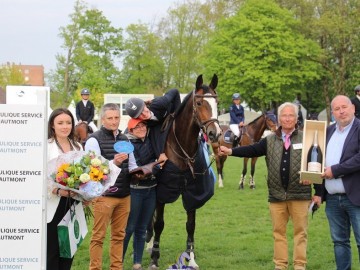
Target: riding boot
point(236, 141)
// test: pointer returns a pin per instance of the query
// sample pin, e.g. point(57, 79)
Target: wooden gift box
point(310, 127)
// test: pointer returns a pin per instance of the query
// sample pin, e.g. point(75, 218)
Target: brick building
point(2, 96)
point(33, 74)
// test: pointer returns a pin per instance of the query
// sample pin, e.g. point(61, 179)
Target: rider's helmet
point(236, 96)
point(357, 89)
point(134, 107)
point(85, 91)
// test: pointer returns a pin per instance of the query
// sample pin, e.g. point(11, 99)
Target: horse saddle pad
point(229, 136)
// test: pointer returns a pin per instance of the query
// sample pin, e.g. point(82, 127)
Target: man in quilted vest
point(113, 207)
point(287, 197)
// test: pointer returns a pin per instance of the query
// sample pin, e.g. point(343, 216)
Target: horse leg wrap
point(192, 263)
point(190, 247)
point(155, 252)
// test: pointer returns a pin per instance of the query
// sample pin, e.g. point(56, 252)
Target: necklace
point(61, 149)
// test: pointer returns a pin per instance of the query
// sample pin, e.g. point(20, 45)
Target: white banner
point(22, 186)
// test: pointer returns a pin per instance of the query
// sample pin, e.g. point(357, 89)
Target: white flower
point(84, 178)
point(96, 162)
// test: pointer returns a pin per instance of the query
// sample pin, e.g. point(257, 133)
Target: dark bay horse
point(82, 132)
point(185, 172)
point(251, 133)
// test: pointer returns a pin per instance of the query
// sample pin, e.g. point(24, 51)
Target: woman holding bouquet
point(60, 140)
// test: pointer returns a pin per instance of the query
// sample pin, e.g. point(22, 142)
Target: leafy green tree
point(143, 67)
point(91, 47)
point(102, 45)
point(334, 25)
point(64, 79)
point(10, 75)
point(183, 33)
point(260, 53)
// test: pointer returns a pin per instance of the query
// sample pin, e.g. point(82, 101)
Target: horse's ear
point(199, 82)
point(214, 82)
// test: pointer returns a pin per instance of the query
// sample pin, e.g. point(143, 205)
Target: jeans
point(342, 214)
point(143, 202)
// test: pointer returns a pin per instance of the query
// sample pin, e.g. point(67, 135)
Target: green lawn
point(233, 231)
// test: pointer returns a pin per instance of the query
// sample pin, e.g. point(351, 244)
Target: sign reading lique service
point(22, 185)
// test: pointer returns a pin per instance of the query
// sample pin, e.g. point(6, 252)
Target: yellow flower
point(63, 167)
point(96, 174)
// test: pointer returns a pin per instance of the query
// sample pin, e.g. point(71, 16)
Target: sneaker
point(137, 267)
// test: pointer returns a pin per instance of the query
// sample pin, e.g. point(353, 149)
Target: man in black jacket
point(154, 114)
point(85, 109)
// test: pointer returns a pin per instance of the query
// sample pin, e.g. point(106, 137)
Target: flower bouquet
point(84, 173)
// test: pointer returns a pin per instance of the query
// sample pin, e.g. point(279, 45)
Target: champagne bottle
point(315, 156)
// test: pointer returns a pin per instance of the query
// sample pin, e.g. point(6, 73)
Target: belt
point(338, 194)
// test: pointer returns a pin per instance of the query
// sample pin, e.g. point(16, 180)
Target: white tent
point(72, 109)
point(224, 119)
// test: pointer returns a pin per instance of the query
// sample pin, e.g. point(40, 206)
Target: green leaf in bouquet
point(78, 170)
point(70, 182)
point(69, 169)
point(86, 160)
point(88, 214)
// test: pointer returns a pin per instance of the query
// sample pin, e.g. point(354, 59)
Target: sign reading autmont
point(22, 186)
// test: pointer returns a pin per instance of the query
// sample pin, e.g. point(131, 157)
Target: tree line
point(270, 51)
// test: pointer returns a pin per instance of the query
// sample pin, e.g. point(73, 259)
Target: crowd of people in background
point(129, 205)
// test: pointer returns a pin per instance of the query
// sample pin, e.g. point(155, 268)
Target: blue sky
point(29, 28)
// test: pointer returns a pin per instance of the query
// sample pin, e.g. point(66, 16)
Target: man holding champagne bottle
point(288, 198)
point(342, 179)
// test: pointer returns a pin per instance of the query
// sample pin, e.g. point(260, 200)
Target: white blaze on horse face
point(214, 110)
point(213, 105)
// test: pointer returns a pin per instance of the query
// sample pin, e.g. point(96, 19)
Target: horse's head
point(82, 131)
point(205, 109)
point(270, 121)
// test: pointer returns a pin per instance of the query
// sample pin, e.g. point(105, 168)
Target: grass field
point(233, 231)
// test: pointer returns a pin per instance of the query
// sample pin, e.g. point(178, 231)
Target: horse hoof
point(221, 185)
point(192, 264)
point(153, 267)
point(241, 186)
point(252, 187)
point(148, 237)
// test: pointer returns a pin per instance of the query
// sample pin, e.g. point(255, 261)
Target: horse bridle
point(268, 116)
point(202, 125)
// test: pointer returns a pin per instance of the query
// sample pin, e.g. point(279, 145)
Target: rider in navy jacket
point(237, 116)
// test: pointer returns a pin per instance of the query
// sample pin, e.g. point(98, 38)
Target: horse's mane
point(255, 120)
point(183, 103)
